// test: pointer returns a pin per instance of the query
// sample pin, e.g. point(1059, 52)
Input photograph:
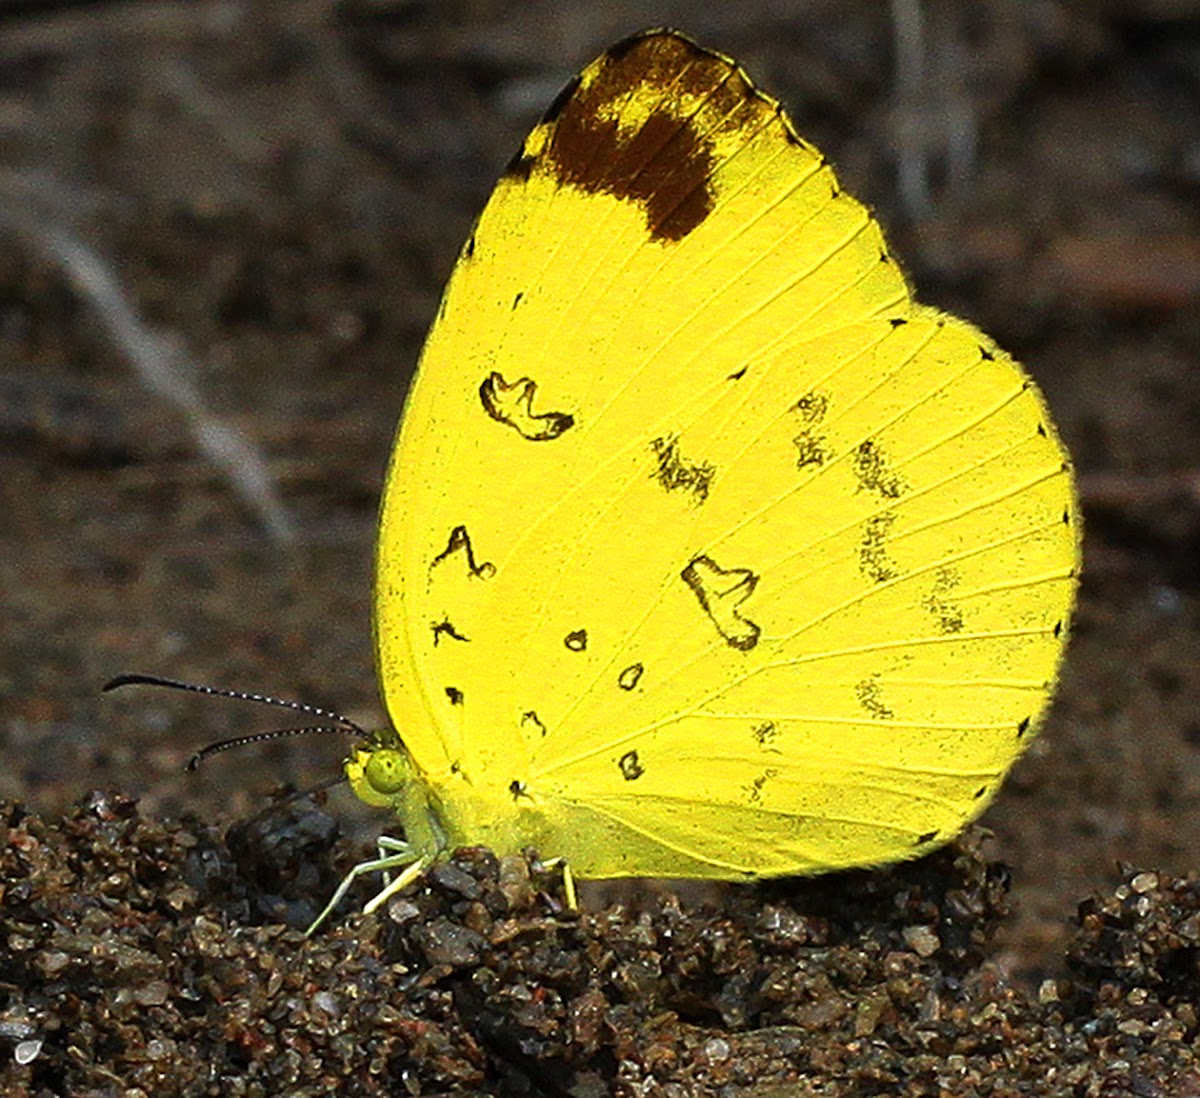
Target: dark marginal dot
point(630, 677)
point(897, 322)
point(1058, 628)
point(790, 135)
point(455, 695)
point(928, 837)
point(1023, 727)
point(980, 791)
point(1041, 430)
point(884, 257)
point(519, 168)
point(445, 629)
point(986, 355)
point(1066, 517)
point(631, 769)
point(576, 641)
point(560, 100)
point(469, 250)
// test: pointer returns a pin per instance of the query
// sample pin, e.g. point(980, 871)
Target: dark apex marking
point(720, 593)
point(871, 467)
point(676, 474)
point(455, 695)
point(1022, 727)
point(986, 355)
point(631, 769)
point(445, 629)
point(560, 100)
point(512, 405)
point(630, 677)
point(576, 641)
point(928, 837)
point(662, 162)
point(530, 717)
point(873, 559)
point(460, 542)
point(870, 697)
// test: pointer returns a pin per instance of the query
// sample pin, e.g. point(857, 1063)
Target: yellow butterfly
point(705, 551)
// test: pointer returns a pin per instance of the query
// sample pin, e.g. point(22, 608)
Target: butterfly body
point(705, 551)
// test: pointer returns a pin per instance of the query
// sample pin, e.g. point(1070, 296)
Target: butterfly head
point(380, 769)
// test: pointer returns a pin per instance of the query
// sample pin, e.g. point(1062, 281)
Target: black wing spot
point(980, 791)
point(1058, 627)
point(928, 837)
point(455, 695)
point(949, 616)
point(986, 355)
point(517, 789)
point(873, 470)
point(517, 300)
point(577, 640)
point(512, 405)
point(531, 719)
point(737, 375)
point(873, 559)
point(870, 697)
point(630, 677)
point(676, 474)
point(460, 542)
point(720, 592)
point(1066, 517)
point(765, 735)
point(469, 247)
point(1042, 430)
point(445, 629)
point(1023, 727)
point(631, 768)
point(753, 789)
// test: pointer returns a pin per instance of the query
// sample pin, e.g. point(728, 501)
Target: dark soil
point(279, 191)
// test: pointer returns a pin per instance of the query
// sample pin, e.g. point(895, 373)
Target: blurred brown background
point(229, 215)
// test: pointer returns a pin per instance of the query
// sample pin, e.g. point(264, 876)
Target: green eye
point(386, 771)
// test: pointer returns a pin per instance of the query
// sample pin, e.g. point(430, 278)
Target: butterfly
point(704, 551)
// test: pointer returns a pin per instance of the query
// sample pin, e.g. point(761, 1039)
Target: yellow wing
point(705, 551)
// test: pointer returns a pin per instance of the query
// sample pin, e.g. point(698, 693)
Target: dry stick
point(161, 364)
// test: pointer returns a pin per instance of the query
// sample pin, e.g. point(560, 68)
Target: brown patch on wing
point(639, 126)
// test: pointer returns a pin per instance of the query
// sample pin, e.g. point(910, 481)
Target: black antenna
point(344, 726)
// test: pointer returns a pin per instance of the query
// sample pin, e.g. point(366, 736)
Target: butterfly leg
point(410, 874)
point(568, 881)
point(393, 853)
